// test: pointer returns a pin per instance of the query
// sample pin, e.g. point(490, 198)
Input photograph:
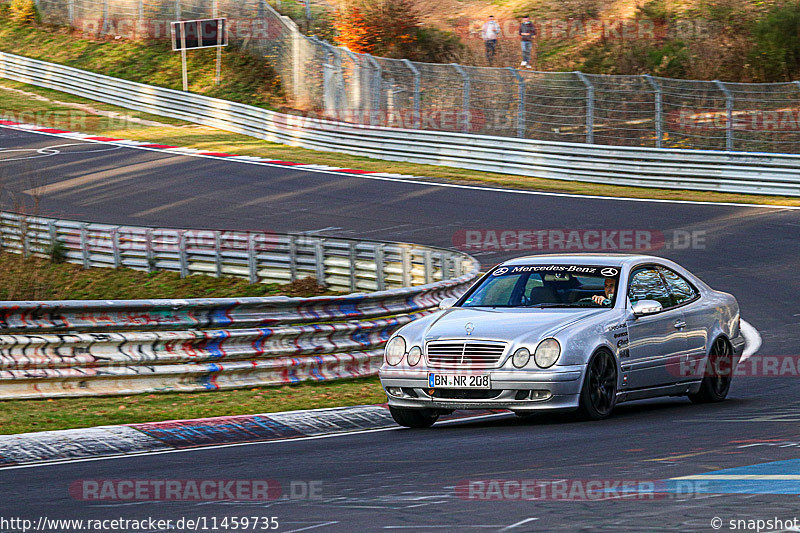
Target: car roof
point(584, 259)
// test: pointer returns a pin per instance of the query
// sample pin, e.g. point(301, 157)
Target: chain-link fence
point(555, 106)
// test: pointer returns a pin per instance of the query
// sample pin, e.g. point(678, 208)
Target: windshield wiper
point(546, 305)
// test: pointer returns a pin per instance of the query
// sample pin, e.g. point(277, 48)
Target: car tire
point(414, 418)
point(599, 392)
point(715, 387)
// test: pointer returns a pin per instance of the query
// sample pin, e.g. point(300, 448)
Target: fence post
point(217, 254)
point(292, 258)
point(464, 97)
point(115, 247)
point(376, 83)
point(415, 71)
point(351, 253)
point(380, 266)
point(252, 260)
point(589, 107)
point(104, 29)
point(728, 113)
point(84, 246)
point(184, 264)
point(71, 11)
point(659, 108)
point(319, 261)
point(521, 102)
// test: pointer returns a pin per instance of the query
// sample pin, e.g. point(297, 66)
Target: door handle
point(680, 324)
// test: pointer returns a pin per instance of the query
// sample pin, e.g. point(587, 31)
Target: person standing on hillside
point(527, 33)
point(490, 32)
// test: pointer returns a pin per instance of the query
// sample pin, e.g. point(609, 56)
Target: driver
point(605, 300)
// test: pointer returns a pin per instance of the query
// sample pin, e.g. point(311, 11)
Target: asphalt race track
point(403, 480)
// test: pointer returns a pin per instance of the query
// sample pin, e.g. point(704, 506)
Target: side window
point(646, 284)
point(682, 290)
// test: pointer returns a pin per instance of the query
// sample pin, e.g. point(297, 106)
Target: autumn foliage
point(381, 27)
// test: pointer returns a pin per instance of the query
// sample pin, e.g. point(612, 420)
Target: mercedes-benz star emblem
point(609, 272)
point(470, 327)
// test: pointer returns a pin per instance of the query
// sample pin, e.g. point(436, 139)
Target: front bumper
point(563, 386)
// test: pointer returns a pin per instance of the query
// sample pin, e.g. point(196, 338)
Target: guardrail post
point(22, 224)
point(376, 83)
point(659, 108)
point(728, 113)
point(406, 260)
point(292, 257)
point(465, 119)
point(52, 235)
point(415, 72)
point(217, 254)
point(428, 262)
point(115, 247)
point(182, 254)
point(589, 107)
point(252, 264)
point(520, 102)
point(148, 250)
point(319, 261)
point(458, 266)
point(380, 267)
point(351, 252)
point(85, 246)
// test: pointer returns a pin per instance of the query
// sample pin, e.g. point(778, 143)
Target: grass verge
point(22, 416)
point(36, 278)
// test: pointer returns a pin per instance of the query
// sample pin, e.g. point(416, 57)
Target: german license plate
point(459, 381)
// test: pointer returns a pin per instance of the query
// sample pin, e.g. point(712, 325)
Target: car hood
point(504, 324)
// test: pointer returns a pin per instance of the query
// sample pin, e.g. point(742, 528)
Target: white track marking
point(752, 340)
point(416, 180)
point(517, 524)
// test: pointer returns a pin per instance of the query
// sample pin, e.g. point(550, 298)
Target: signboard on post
point(203, 33)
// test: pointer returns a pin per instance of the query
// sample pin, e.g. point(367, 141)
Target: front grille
point(465, 354)
point(465, 394)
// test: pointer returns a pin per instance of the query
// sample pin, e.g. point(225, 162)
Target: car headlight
point(414, 355)
point(547, 353)
point(395, 350)
point(521, 357)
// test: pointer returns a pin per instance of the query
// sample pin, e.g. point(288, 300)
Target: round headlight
point(547, 353)
point(414, 355)
point(521, 357)
point(395, 350)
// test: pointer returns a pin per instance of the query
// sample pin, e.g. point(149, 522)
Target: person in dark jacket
point(527, 32)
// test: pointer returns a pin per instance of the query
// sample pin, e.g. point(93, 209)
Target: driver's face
point(610, 285)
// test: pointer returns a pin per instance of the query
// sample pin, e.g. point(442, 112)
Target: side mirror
point(646, 307)
point(447, 303)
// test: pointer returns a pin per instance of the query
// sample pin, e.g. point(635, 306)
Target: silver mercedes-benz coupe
point(566, 332)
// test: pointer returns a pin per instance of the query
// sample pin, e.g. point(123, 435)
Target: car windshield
point(545, 286)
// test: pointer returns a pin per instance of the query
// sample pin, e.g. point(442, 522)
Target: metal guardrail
point(737, 172)
point(623, 110)
point(87, 347)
